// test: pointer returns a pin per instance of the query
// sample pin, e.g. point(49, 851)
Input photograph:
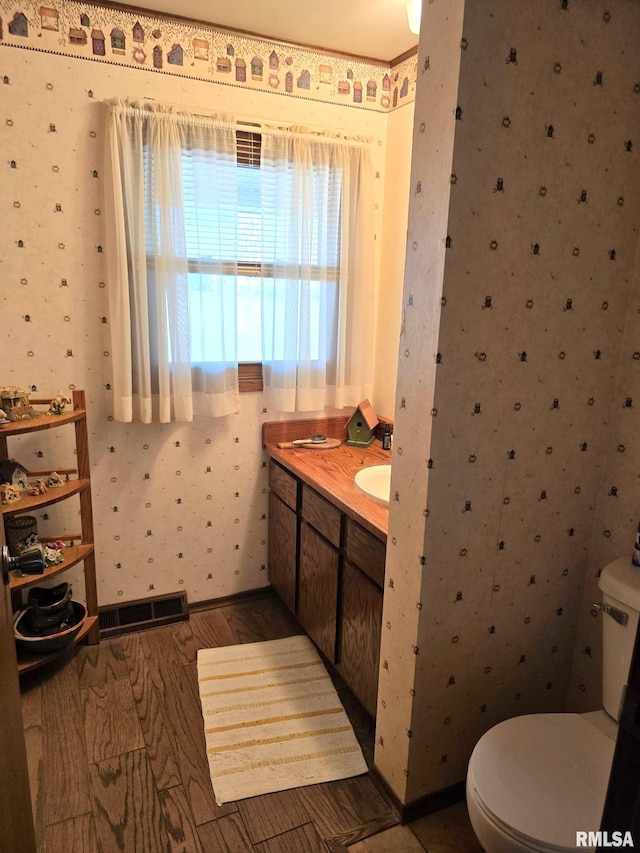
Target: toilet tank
point(620, 585)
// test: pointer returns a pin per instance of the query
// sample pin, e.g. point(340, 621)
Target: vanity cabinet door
point(282, 547)
point(360, 633)
point(318, 590)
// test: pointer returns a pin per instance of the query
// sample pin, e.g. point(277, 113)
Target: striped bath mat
point(272, 719)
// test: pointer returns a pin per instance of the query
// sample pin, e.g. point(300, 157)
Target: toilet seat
point(497, 837)
point(541, 778)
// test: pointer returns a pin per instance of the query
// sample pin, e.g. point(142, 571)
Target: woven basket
point(17, 529)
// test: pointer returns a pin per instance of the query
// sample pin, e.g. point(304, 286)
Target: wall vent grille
point(145, 613)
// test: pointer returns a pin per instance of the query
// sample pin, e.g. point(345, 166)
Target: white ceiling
point(376, 29)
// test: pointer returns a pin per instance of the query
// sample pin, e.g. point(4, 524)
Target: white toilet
point(536, 780)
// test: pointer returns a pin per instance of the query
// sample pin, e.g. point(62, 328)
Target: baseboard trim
point(153, 612)
point(434, 802)
point(422, 806)
point(235, 598)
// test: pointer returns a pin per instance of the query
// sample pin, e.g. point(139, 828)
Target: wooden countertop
point(331, 473)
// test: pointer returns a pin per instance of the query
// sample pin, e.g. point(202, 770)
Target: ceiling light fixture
point(414, 11)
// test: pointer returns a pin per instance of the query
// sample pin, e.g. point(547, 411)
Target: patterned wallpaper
point(164, 46)
point(515, 466)
point(179, 506)
point(516, 454)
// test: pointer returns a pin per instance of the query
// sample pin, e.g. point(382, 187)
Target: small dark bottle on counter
point(386, 438)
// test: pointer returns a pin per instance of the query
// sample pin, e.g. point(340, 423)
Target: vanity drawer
point(322, 515)
point(366, 552)
point(283, 484)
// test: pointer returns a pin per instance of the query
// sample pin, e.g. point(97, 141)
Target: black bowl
point(39, 645)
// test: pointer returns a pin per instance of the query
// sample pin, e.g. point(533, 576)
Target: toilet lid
point(543, 777)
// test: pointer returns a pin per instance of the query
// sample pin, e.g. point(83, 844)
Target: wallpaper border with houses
point(164, 46)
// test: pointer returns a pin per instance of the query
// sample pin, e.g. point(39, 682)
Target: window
point(242, 251)
point(236, 246)
point(225, 251)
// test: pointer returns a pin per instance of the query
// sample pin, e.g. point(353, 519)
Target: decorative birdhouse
point(361, 425)
point(14, 473)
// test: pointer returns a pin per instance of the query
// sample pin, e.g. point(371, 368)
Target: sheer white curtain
point(317, 270)
point(185, 217)
point(171, 198)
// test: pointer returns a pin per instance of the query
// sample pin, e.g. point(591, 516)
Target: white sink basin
point(375, 482)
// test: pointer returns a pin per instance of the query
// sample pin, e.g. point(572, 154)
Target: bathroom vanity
point(326, 553)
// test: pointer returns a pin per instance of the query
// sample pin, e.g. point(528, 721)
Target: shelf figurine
point(39, 487)
point(53, 553)
point(54, 480)
point(58, 404)
point(9, 494)
point(14, 473)
point(15, 404)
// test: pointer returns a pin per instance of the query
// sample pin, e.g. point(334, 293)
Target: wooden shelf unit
point(28, 503)
point(72, 554)
point(78, 483)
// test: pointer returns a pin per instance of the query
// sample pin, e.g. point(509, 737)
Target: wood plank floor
point(117, 758)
